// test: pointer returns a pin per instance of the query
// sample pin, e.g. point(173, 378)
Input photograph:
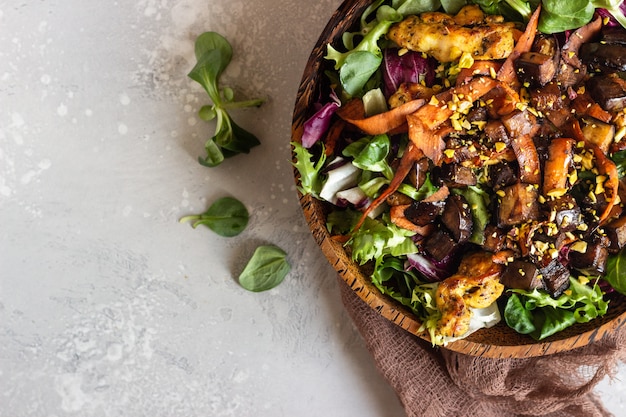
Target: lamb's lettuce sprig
point(540, 315)
point(213, 54)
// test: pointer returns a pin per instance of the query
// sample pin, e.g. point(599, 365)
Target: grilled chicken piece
point(475, 285)
point(447, 37)
point(409, 91)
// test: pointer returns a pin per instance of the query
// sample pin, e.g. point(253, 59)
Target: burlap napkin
point(441, 383)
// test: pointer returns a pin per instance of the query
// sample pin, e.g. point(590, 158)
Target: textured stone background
point(109, 306)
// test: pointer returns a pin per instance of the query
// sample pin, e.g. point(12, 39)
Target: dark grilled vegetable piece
point(592, 261)
point(496, 132)
point(494, 238)
point(555, 277)
point(503, 174)
point(609, 91)
point(423, 213)
point(457, 218)
point(604, 57)
point(616, 233)
point(417, 174)
point(612, 34)
point(535, 68)
point(549, 100)
point(518, 204)
point(399, 199)
point(439, 245)
point(454, 175)
point(523, 275)
point(571, 70)
point(564, 212)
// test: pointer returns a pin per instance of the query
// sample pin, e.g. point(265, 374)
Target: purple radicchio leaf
point(612, 20)
point(410, 67)
point(431, 269)
point(317, 125)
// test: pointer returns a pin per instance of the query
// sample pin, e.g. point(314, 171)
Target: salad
point(472, 157)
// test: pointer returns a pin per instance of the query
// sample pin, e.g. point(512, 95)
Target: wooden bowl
point(499, 341)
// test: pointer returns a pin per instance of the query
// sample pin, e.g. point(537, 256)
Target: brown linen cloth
point(440, 383)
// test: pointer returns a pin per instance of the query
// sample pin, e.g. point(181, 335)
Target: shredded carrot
point(333, 135)
point(353, 109)
point(479, 67)
point(556, 167)
point(599, 113)
point(384, 122)
point(506, 74)
point(528, 159)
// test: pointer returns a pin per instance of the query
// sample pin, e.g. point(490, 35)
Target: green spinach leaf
point(373, 156)
point(616, 275)
point(266, 269)
point(227, 217)
point(517, 317)
point(560, 15)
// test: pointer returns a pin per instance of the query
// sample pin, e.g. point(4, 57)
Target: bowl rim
point(475, 344)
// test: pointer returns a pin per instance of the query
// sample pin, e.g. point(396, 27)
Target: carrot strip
point(506, 74)
point(556, 167)
point(384, 122)
point(439, 109)
point(528, 159)
point(477, 68)
point(353, 109)
point(332, 137)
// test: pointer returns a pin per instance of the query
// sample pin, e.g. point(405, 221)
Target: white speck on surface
point(122, 128)
point(28, 177)
point(240, 376)
point(45, 79)
point(44, 164)
point(115, 352)
point(124, 99)
point(17, 120)
point(68, 386)
point(62, 110)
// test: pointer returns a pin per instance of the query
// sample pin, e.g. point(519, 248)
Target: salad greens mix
point(487, 182)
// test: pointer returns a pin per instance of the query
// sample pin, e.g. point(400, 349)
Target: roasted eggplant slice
point(535, 68)
point(609, 91)
point(457, 217)
point(518, 204)
point(604, 57)
point(523, 275)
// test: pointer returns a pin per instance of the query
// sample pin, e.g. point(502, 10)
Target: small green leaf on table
point(227, 217)
point(265, 270)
